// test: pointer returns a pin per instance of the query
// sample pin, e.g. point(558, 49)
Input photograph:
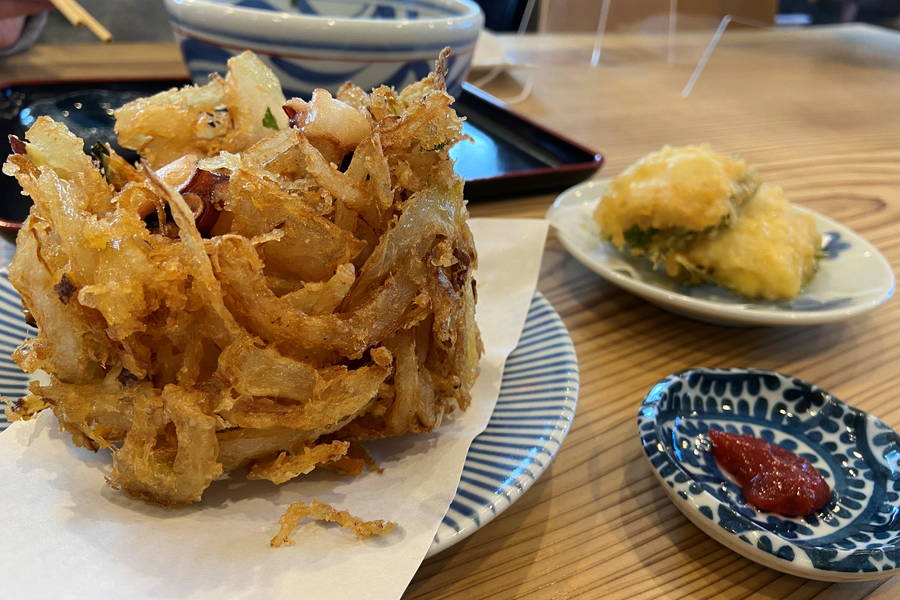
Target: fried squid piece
point(285, 467)
point(320, 511)
point(332, 125)
point(226, 114)
point(199, 262)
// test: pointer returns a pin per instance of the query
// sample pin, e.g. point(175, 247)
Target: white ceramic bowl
point(323, 43)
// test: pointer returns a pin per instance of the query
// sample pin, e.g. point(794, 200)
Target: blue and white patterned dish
point(534, 411)
point(313, 44)
point(855, 537)
point(533, 414)
point(853, 276)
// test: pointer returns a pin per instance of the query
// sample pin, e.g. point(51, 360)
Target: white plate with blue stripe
point(534, 410)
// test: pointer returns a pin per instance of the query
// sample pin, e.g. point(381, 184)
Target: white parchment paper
point(65, 534)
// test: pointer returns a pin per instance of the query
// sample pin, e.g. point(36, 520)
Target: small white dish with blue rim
point(534, 410)
point(853, 276)
point(855, 537)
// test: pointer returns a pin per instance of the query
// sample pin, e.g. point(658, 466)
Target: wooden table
point(817, 111)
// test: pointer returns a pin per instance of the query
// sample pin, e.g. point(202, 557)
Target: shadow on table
point(516, 535)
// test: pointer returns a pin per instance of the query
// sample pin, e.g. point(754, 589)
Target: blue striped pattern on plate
point(533, 414)
point(13, 329)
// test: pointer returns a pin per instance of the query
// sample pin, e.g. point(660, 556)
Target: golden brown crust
point(250, 304)
point(320, 511)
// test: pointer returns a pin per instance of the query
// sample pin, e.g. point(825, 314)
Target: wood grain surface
point(818, 112)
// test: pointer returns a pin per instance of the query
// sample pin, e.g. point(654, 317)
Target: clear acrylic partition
point(682, 35)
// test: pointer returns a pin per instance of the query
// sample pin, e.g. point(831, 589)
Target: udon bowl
point(313, 44)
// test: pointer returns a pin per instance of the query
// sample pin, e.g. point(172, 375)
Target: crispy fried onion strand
point(320, 511)
point(285, 467)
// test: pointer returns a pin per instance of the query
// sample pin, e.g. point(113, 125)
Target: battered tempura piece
point(670, 196)
point(323, 512)
point(259, 291)
point(704, 218)
point(768, 253)
point(226, 114)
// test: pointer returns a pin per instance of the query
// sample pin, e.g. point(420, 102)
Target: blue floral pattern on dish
point(858, 531)
point(833, 245)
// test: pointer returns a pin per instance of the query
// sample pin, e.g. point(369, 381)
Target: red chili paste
point(771, 478)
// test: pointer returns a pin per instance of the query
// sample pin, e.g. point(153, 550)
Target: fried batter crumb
point(320, 511)
point(357, 459)
point(381, 356)
point(285, 466)
point(347, 466)
point(22, 409)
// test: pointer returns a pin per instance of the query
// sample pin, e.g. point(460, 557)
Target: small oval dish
point(853, 276)
point(855, 537)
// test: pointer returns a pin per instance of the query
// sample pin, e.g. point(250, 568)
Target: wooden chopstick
point(77, 15)
point(96, 28)
point(68, 11)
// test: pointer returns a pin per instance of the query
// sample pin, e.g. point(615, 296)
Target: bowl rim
point(323, 38)
point(224, 15)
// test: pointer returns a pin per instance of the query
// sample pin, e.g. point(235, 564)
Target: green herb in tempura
point(269, 120)
point(637, 237)
point(436, 147)
point(100, 154)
